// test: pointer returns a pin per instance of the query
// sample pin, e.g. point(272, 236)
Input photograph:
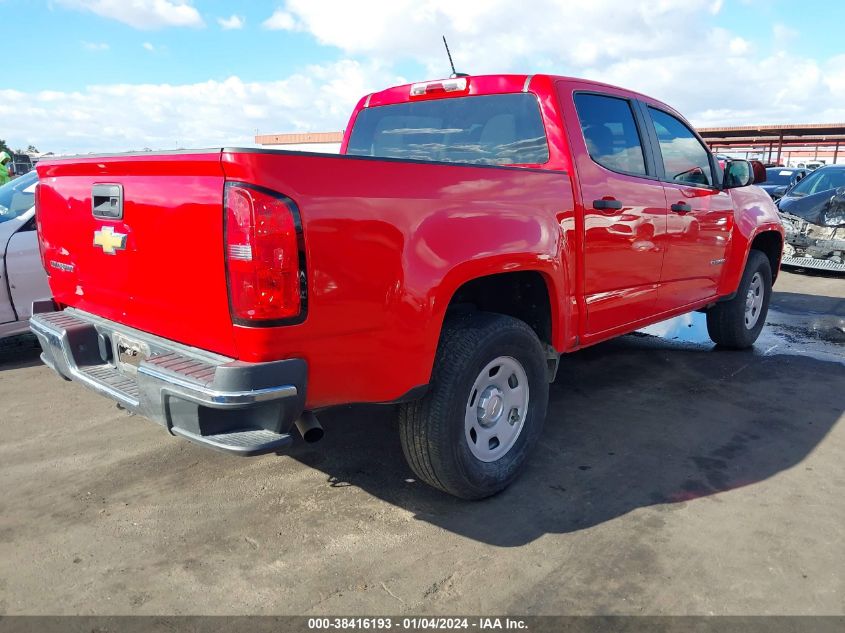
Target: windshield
point(503, 129)
point(18, 196)
point(779, 176)
point(823, 179)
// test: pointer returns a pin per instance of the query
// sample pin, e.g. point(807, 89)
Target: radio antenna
point(451, 63)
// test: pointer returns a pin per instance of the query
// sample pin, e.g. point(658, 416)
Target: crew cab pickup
point(471, 231)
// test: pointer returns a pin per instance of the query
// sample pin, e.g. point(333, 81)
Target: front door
point(700, 217)
point(624, 206)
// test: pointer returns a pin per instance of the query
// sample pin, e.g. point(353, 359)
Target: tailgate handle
point(107, 201)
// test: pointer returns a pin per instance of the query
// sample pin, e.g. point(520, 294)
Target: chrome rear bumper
point(241, 408)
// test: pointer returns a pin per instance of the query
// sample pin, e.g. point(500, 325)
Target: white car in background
point(22, 277)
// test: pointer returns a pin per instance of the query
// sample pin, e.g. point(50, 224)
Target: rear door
point(138, 239)
point(700, 216)
point(624, 205)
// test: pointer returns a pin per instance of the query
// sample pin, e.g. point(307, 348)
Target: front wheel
point(737, 323)
point(473, 431)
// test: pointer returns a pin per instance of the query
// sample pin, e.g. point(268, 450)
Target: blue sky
point(58, 58)
point(97, 75)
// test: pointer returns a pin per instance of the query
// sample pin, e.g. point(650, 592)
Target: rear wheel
point(737, 323)
point(472, 432)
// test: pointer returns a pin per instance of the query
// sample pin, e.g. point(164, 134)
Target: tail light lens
point(262, 256)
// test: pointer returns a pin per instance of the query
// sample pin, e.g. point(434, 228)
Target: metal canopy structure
point(773, 140)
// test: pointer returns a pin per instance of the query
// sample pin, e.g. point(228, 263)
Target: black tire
point(432, 430)
point(726, 322)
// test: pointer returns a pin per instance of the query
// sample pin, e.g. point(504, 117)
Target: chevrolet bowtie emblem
point(109, 241)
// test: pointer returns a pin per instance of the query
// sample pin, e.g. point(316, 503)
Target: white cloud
point(783, 34)
point(95, 47)
point(231, 23)
point(775, 89)
point(280, 21)
point(124, 117)
point(141, 14)
point(669, 49)
point(738, 46)
point(149, 47)
point(489, 36)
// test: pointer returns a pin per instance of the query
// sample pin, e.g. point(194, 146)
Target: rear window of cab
point(503, 129)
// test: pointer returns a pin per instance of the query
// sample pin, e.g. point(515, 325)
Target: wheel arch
point(527, 294)
point(770, 243)
point(767, 238)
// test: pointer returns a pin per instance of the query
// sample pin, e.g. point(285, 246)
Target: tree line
point(5, 148)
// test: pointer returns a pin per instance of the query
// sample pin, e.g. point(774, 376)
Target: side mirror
point(759, 170)
point(738, 173)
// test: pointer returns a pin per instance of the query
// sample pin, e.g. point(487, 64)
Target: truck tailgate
point(159, 267)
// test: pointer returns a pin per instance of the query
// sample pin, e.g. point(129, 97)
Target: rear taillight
point(263, 259)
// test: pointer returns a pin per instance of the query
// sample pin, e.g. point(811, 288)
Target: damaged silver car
point(813, 214)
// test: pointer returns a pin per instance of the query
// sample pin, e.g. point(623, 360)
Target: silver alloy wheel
point(754, 301)
point(496, 409)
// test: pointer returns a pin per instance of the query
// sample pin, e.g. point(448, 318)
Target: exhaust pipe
point(309, 427)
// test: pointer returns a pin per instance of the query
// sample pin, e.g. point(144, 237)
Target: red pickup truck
point(471, 231)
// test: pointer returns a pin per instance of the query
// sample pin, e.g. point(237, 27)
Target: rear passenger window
point(684, 157)
point(611, 132)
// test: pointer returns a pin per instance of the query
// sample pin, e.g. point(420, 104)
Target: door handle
point(607, 204)
point(681, 207)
